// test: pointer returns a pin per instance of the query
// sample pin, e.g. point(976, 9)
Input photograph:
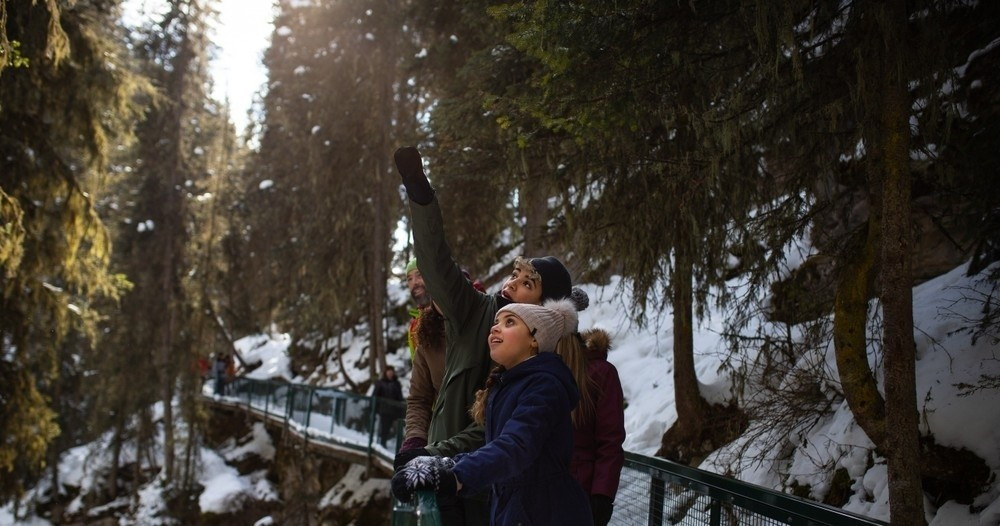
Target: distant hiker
point(387, 388)
point(230, 371)
point(204, 369)
point(219, 371)
point(469, 314)
point(598, 421)
point(526, 409)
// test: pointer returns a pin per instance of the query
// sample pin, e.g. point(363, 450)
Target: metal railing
point(655, 491)
point(652, 492)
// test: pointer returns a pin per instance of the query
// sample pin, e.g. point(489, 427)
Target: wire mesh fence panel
point(646, 498)
point(268, 400)
point(323, 403)
point(298, 406)
point(241, 389)
point(278, 404)
point(632, 505)
point(737, 516)
point(685, 507)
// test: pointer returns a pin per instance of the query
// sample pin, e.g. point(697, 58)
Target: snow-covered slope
point(948, 362)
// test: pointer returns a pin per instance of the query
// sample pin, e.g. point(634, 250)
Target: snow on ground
point(225, 489)
point(948, 362)
point(7, 517)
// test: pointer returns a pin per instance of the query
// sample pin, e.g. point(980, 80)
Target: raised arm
point(445, 282)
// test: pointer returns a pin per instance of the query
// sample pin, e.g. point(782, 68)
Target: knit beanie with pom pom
point(547, 322)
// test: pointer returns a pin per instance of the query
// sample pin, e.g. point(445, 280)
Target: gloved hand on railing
point(430, 473)
point(407, 455)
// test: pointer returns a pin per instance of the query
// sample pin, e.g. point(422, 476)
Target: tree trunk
point(383, 68)
point(850, 341)
point(687, 395)
point(534, 202)
point(377, 278)
point(906, 501)
point(684, 442)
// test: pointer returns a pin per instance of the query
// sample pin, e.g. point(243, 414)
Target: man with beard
point(420, 296)
point(426, 338)
point(427, 351)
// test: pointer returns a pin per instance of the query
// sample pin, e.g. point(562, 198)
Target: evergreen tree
point(156, 329)
point(495, 184)
point(65, 98)
point(657, 188)
point(887, 128)
point(321, 186)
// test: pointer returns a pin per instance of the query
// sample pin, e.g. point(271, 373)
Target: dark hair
point(429, 331)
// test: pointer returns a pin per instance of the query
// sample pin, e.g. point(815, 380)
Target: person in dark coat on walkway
point(219, 371)
point(526, 411)
point(387, 388)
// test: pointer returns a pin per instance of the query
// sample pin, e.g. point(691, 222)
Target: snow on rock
point(225, 489)
point(271, 350)
point(260, 445)
point(354, 490)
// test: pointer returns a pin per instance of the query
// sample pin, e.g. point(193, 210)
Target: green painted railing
point(653, 491)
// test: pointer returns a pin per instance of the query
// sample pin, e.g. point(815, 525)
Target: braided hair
point(478, 409)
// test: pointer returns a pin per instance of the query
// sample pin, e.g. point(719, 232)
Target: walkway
point(653, 491)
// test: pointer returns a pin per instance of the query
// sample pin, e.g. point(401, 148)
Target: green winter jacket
point(468, 316)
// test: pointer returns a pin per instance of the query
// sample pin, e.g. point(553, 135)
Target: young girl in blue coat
point(525, 408)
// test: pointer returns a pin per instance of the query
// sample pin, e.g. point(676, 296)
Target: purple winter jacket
point(598, 456)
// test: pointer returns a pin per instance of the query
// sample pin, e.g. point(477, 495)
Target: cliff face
point(311, 487)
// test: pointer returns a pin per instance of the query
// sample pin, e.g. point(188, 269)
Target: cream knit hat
point(548, 322)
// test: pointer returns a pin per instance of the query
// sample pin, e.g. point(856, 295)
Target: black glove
point(600, 508)
point(405, 456)
point(433, 473)
point(411, 170)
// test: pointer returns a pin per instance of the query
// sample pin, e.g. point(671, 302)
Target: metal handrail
point(727, 498)
point(653, 491)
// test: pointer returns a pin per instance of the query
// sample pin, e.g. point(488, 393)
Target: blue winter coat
point(529, 442)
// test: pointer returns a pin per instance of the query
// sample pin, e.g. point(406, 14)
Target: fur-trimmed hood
point(598, 343)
